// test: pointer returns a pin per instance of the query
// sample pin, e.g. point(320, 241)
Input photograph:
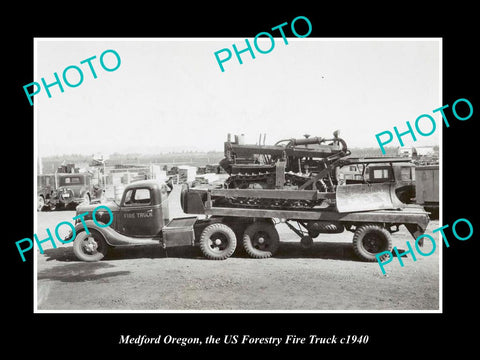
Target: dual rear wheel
point(260, 240)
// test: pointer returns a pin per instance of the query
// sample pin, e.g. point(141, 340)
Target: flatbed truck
point(142, 217)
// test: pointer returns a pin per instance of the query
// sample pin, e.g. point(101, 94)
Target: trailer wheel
point(261, 240)
point(218, 241)
point(90, 247)
point(370, 240)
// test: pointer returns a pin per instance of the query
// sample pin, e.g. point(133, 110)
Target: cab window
point(137, 197)
point(70, 180)
point(406, 173)
point(380, 174)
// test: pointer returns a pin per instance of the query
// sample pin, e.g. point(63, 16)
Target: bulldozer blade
point(365, 197)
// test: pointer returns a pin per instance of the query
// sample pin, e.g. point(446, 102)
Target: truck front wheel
point(90, 247)
point(218, 241)
point(371, 239)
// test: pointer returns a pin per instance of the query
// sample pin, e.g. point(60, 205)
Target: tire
point(218, 241)
point(40, 203)
point(261, 240)
point(369, 240)
point(90, 247)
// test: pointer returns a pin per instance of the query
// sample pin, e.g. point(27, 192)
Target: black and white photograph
point(241, 184)
point(271, 166)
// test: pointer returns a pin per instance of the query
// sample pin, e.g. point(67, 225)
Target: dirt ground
point(328, 276)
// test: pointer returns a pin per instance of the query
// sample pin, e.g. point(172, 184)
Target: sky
point(170, 94)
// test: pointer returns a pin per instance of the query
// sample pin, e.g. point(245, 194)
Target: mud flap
point(365, 197)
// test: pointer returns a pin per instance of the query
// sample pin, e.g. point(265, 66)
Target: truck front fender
point(111, 237)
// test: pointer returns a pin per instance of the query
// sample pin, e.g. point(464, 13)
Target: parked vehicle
point(427, 188)
point(403, 174)
point(45, 190)
point(73, 189)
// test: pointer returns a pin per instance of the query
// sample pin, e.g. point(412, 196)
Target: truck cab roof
point(153, 184)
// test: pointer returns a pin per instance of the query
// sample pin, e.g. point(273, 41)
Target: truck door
point(138, 215)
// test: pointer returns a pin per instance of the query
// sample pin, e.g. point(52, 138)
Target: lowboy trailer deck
point(255, 226)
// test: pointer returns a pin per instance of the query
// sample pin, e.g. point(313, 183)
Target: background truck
point(414, 184)
point(427, 188)
point(73, 189)
point(399, 171)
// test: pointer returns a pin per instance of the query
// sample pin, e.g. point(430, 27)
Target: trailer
point(255, 227)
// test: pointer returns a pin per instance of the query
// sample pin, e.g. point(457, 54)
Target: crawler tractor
point(299, 174)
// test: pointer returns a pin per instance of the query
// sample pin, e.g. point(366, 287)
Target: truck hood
point(112, 205)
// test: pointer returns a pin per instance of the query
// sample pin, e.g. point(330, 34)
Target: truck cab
point(143, 210)
point(138, 219)
point(141, 213)
point(402, 174)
